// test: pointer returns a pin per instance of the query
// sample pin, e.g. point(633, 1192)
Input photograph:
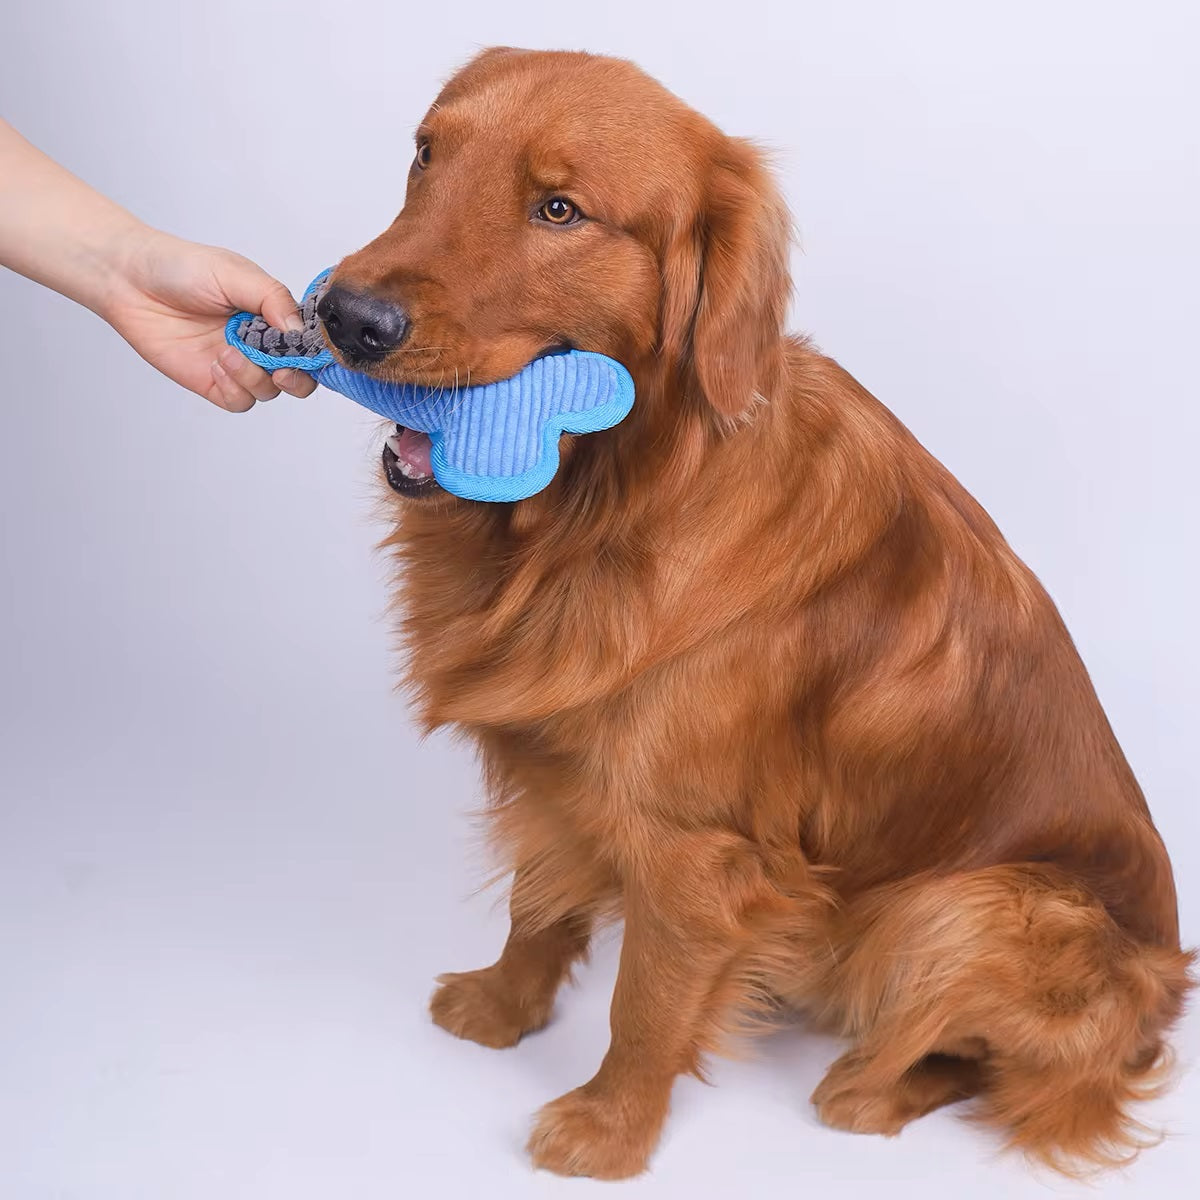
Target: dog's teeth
point(406, 468)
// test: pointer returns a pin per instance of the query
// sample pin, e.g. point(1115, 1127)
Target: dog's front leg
point(686, 902)
point(497, 1005)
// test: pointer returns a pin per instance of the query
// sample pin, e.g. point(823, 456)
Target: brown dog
point(754, 672)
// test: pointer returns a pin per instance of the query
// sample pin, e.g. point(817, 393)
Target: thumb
point(249, 287)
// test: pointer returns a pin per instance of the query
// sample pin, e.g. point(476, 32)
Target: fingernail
point(229, 357)
point(293, 323)
point(217, 368)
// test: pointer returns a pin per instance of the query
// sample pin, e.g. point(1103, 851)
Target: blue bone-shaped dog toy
point(496, 441)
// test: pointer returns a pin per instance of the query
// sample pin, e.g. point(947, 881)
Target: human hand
point(170, 300)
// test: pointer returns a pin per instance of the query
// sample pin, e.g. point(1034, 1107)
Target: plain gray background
point(228, 870)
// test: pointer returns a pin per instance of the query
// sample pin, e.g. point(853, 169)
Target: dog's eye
point(424, 153)
point(558, 211)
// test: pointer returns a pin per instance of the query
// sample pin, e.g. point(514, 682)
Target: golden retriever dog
point(754, 673)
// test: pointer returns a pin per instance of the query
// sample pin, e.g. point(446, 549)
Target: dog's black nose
point(360, 324)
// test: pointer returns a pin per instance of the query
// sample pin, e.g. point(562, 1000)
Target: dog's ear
point(726, 280)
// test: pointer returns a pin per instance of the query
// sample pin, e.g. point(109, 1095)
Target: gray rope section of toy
point(280, 343)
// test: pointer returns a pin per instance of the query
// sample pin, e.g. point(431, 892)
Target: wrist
point(112, 262)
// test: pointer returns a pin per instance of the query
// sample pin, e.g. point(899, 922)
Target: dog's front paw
point(590, 1133)
point(476, 1005)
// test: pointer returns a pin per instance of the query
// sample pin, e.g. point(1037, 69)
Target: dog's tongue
point(412, 449)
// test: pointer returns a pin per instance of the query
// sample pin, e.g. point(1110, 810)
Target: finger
point(244, 373)
point(295, 383)
point(280, 308)
point(230, 394)
point(247, 286)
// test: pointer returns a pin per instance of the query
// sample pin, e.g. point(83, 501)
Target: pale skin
point(167, 297)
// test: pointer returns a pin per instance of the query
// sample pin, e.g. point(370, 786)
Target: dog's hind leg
point(1013, 983)
point(850, 1098)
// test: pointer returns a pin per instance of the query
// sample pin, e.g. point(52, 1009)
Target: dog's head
point(562, 199)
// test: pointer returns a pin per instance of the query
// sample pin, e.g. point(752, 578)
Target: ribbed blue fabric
point(492, 442)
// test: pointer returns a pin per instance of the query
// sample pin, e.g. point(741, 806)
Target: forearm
point(168, 298)
point(55, 229)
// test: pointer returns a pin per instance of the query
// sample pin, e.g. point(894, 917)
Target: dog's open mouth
point(407, 462)
point(407, 453)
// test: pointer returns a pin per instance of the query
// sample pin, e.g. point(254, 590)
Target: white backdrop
point(228, 871)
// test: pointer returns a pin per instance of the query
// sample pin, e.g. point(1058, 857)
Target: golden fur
point(754, 672)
